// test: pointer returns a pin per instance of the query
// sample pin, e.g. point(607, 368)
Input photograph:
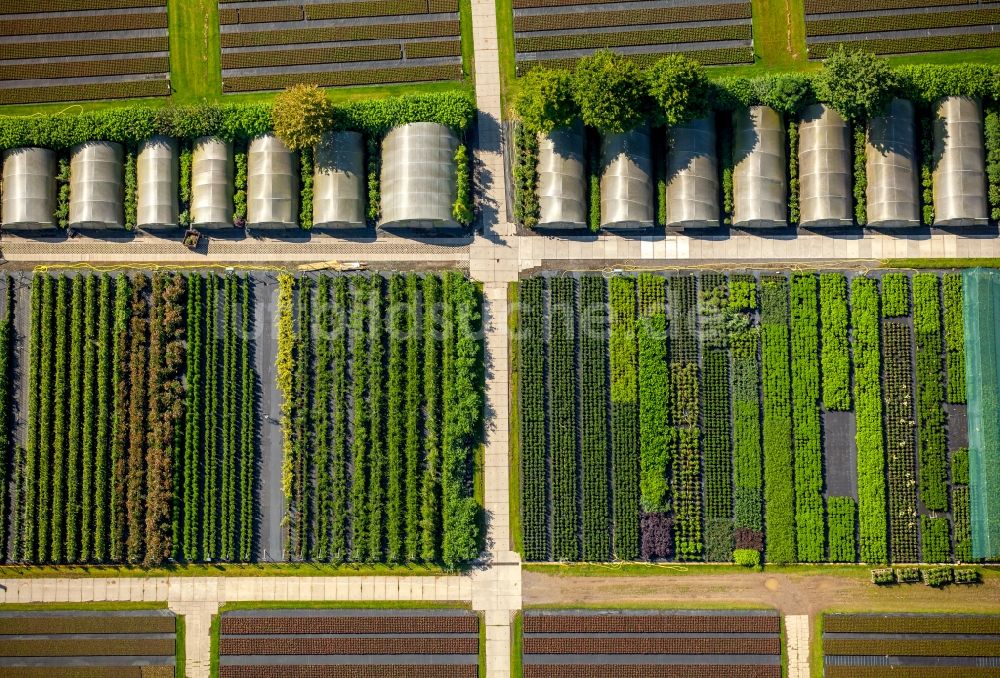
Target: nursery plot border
point(924, 463)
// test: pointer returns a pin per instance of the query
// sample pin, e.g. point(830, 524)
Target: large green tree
point(857, 84)
point(679, 88)
point(611, 92)
point(544, 99)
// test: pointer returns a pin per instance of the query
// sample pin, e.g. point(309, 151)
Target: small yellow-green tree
point(300, 115)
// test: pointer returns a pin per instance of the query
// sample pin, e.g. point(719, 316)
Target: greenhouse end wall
point(981, 306)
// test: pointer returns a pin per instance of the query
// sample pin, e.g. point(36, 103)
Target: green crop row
point(836, 357)
point(962, 518)
point(842, 514)
point(381, 76)
point(809, 518)
point(654, 442)
point(685, 408)
point(593, 353)
point(744, 346)
point(322, 55)
point(901, 22)
point(900, 440)
point(666, 36)
point(97, 22)
point(833, 6)
point(624, 417)
point(991, 134)
point(561, 417)
point(779, 492)
point(634, 17)
point(954, 336)
point(895, 295)
point(381, 31)
point(43, 49)
point(706, 57)
point(716, 405)
point(868, 405)
point(935, 539)
point(933, 473)
point(821, 50)
point(530, 351)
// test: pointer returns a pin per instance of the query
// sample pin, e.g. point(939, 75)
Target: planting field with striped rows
point(910, 645)
point(282, 643)
point(72, 643)
point(595, 643)
point(555, 33)
point(140, 444)
point(805, 417)
point(381, 381)
point(105, 50)
point(277, 43)
point(901, 26)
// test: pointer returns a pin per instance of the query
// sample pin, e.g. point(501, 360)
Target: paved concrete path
point(797, 644)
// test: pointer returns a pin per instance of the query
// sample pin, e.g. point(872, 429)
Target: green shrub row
point(793, 171)
point(461, 210)
point(872, 540)
point(744, 345)
point(992, 138)
point(936, 539)
point(808, 451)
point(526, 207)
point(624, 417)
point(654, 435)
point(902, 22)
point(779, 492)
point(841, 514)
point(962, 518)
point(835, 356)
point(954, 336)
point(685, 415)
point(345, 78)
point(531, 371)
point(900, 440)
point(633, 17)
point(933, 474)
point(8, 459)
point(715, 315)
point(820, 50)
point(926, 133)
point(593, 353)
point(108, 90)
point(664, 36)
point(561, 417)
point(895, 295)
point(860, 179)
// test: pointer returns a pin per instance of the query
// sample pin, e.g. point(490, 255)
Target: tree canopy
point(857, 84)
point(300, 115)
point(610, 91)
point(680, 89)
point(545, 100)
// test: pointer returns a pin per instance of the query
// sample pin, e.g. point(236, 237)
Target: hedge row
point(991, 132)
point(666, 36)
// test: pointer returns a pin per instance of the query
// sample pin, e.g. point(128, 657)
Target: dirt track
point(789, 593)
